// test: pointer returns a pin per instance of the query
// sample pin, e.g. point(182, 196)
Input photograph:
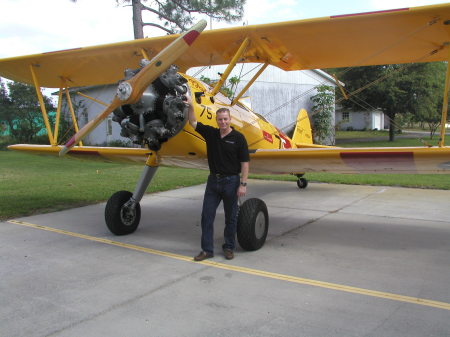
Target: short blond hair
point(221, 110)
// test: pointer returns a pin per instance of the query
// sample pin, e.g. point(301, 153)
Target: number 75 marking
point(208, 111)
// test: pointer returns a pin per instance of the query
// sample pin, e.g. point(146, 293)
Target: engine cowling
point(159, 114)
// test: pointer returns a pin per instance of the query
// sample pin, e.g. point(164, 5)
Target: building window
point(346, 116)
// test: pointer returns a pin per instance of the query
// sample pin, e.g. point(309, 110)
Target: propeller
point(130, 91)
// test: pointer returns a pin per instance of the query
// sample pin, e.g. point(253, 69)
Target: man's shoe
point(203, 256)
point(229, 255)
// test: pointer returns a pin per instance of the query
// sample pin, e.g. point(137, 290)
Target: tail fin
point(302, 136)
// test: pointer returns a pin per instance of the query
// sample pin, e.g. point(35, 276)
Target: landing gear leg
point(302, 183)
point(122, 211)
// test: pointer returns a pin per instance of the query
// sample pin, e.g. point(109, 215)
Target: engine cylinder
point(159, 114)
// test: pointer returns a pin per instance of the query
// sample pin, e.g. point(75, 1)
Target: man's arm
point(191, 113)
point(244, 176)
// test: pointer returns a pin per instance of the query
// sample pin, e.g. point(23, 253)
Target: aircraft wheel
point(302, 183)
point(120, 219)
point(253, 224)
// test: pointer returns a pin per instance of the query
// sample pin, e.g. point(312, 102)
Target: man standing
point(228, 157)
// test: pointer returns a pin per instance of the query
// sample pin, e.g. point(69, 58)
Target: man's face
point(223, 120)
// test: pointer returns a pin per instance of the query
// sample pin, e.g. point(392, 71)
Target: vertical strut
point(339, 84)
point(42, 105)
point(58, 112)
point(144, 53)
point(230, 67)
point(72, 113)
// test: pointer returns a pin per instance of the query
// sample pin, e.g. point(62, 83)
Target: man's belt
point(223, 175)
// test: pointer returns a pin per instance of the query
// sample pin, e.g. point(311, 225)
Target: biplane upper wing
point(419, 34)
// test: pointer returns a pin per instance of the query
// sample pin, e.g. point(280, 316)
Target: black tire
point(253, 224)
point(121, 220)
point(302, 183)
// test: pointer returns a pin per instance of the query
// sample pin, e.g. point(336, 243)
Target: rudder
point(302, 133)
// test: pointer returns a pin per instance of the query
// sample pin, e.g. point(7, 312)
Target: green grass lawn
point(38, 184)
point(361, 134)
point(399, 142)
point(32, 184)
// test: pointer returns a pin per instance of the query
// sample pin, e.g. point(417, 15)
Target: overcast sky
point(30, 26)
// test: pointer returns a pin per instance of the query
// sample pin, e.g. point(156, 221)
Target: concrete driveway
point(339, 260)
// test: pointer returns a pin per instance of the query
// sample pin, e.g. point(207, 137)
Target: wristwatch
point(243, 184)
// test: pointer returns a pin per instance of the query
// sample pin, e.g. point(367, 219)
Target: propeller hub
point(124, 91)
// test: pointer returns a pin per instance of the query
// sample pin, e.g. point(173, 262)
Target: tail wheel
point(121, 218)
point(253, 224)
point(302, 183)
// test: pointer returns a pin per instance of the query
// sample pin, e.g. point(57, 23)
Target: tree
point(177, 15)
point(396, 89)
point(428, 88)
point(20, 111)
point(322, 113)
point(4, 106)
point(227, 89)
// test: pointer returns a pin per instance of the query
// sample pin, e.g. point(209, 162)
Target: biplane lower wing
point(421, 160)
point(410, 160)
point(113, 154)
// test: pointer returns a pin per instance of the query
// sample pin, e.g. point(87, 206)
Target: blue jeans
point(220, 189)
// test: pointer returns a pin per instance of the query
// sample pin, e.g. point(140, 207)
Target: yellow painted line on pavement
point(250, 271)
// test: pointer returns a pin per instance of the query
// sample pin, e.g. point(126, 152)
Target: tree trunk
point(391, 127)
point(137, 19)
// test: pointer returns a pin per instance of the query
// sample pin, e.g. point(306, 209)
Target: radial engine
point(159, 114)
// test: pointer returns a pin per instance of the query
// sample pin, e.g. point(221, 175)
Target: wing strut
point(230, 67)
point(144, 53)
point(236, 99)
point(53, 136)
point(445, 103)
point(72, 113)
point(339, 84)
point(58, 112)
point(42, 105)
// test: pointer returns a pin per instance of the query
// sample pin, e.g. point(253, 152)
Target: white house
point(360, 120)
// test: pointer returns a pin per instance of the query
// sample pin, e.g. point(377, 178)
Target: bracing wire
point(351, 94)
point(200, 71)
point(398, 41)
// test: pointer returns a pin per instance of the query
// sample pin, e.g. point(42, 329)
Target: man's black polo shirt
point(226, 154)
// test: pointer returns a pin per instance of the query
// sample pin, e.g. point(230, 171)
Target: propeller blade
point(129, 91)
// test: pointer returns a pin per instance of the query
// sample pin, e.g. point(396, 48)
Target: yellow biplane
point(149, 103)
